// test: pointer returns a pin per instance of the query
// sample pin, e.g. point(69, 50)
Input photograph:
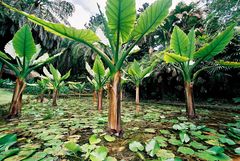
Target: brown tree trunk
point(137, 99)
point(16, 104)
point(55, 95)
point(41, 97)
point(114, 114)
point(190, 100)
point(99, 105)
point(94, 97)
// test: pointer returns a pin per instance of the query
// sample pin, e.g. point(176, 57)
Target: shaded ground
point(46, 129)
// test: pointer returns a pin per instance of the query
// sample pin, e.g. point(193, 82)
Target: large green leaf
point(23, 43)
point(174, 58)
point(216, 46)
point(179, 41)
point(82, 35)
point(151, 18)
point(66, 76)
point(98, 68)
point(147, 71)
point(135, 69)
point(121, 16)
point(55, 73)
point(191, 44)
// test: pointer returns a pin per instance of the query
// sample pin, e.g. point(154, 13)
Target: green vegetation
point(80, 133)
point(163, 51)
point(23, 50)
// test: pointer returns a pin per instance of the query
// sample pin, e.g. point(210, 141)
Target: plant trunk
point(55, 95)
point(94, 97)
point(189, 100)
point(41, 97)
point(99, 105)
point(137, 99)
point(114, 114)
point(16, 104)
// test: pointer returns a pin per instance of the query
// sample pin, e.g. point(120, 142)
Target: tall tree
point(122, 32)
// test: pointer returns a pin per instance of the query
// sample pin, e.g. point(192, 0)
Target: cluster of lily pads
point(188, 142)
point(75, 131)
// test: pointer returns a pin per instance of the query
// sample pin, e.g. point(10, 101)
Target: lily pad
point(94, 139)
point(99, 154)
point(109, 138)
point(198, 145)
point(185, 150)
point(136, 146)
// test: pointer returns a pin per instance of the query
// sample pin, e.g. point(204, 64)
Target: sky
point(84, 9)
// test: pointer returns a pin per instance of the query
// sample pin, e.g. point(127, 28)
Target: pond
point(158, 132)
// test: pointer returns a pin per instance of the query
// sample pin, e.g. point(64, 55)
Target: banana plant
point(77, 86)
point(185, 58)
point(123, 31)
point(43, 86)
point(22, 58)
point(136, 74)
point(100, 76)
point(56, 81)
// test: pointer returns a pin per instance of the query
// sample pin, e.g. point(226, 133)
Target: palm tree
point(123, 33)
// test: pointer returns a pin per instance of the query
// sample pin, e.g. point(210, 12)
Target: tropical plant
point(185, 58)
point(77, 86)
point(136, 73)
point(122, 32)
point(56, 81)
point(100, 76)
point(24, 52)
point(43, 86)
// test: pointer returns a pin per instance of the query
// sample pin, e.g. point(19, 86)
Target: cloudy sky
point(86, 8)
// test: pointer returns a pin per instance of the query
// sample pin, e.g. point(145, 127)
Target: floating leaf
point(99, 154)
point(185, 150)
point(135, 146)
point(164, 132)
point(198, 145)
point(226, 140)
point(174, 141)
point(152, 147)
point(165, 154)
point(72, 147)
point(215, 150)
point(37, 156)
point(237, 150)
point(184, 137)
point(94, 140)
point(109, 138)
